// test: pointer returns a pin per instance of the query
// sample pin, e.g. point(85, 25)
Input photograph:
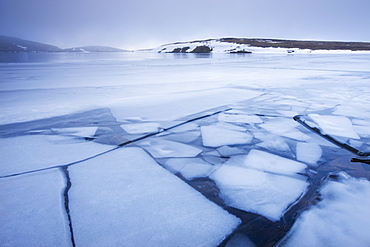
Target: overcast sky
point(133, 24)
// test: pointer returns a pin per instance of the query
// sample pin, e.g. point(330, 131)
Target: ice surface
point(189, 168)
point(273, 143)
point(308, 152)
point(340, 219)
point(239, 118)
point(81, 132)
point(176, 106)
point(149, 87)
point(215, 136)
point(31, 210)
point(264, 161)
point(125, 198)
point(261, 183)
point(184, 137)
point(227, 151)
point(284, 127)
point(240, 240)
point(335, 125)
point(167, 149)
point(141, 128)
point(32, 152)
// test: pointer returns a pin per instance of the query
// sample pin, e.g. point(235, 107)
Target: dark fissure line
point(118, 146)
point(329, 138)
point(64, 169)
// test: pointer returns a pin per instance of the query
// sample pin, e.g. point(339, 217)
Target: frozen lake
point(147, 149)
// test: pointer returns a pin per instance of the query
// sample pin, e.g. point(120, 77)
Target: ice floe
point(215, 136)
point(31, 152)
point(239, 118)
point(32, 210)
point(141, 128)
point(284, 127)
point(308, 152)
point(189, 168)
point(159, 148)
point(335, 125)
point(261, 183)
point(125, 198)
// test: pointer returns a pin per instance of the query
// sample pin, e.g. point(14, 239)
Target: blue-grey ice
point(32, 210)
point(216, 136)
point(125, 198)
point(261, 183)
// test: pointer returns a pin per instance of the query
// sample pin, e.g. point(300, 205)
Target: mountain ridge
point(230, 45)
point(12, 44)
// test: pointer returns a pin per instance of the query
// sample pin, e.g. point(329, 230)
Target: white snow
point(215, 136)
point(125, 198)
point(335, 125)
point(340, 219)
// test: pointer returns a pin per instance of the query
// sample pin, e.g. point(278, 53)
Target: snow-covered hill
point(235, 45)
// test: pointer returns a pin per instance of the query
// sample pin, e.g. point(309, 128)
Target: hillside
point(10, 44)
point(245, 45)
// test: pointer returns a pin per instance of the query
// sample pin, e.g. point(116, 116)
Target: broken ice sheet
point(284, 127)
point(261, 183)
point(335, 125)
point(31, 211)
point(341, 218)
point(80, 131)
point(308, 152)
point(124, 198)
point(189, 168)
point(27, 153)
point(238, 118)
point(141, 128)
point(215, 136)
point(159, 148)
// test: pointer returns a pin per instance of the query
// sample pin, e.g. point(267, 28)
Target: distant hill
point(246, 45)
point(223, 45)
point(11, 44)
point(94, 49)
point(312, 45)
